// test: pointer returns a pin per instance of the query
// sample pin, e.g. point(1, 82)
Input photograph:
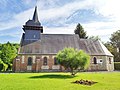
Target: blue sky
point(98, 17)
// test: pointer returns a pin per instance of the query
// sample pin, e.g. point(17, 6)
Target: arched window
point(109, 60)
point(29, 61)
point(95, 60)
point(55, 61)
point(45, 61)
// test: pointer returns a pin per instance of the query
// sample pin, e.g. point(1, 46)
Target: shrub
point(73, 59)
point(117, 65)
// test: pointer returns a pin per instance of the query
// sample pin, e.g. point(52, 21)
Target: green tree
point(8, 53)
point(73, 59)
point(110, 47)
point(80, 31)
point(95, 38)
point(114, 45)
point(3, 66)
point(16, 46)
point(115, 41)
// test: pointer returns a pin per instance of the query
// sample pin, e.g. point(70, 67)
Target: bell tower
point(33, 28)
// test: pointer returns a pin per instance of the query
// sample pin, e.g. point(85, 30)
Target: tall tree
point(115, 41)
point(80, 31)
point(8, 53)
point(73, 59)
point(114, 45)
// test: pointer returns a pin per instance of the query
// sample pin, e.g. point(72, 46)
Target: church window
point(95, 60)
point(55, 61)
point(29, 61)
point(109, 60)
point(45, 61)
point(100, 60)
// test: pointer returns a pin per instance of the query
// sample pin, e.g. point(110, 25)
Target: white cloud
point(64, 11)
point(108, 8)
point(68, 29)
point(17, 20)
point(101, 29)
point(46, 14)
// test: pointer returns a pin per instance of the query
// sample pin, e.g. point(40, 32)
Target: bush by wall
point(117, 65)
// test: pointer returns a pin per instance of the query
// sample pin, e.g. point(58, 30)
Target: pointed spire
point(35, 16)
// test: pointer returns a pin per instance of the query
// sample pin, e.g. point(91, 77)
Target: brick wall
point(21, 63)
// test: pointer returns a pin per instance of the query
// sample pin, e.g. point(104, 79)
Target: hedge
point(117, 65)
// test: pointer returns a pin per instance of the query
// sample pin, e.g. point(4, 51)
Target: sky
point(98, 17)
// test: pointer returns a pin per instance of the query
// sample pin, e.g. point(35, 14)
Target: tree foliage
point(80, 31)
point(114, 45)
point(115, 39)
point(3, 66)
point(73, 59)
point(110, 47)
point(8, 52)
point(95, 38)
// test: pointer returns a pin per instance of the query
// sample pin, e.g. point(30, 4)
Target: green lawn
point(59, 81)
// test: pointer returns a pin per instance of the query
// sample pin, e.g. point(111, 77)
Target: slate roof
point(35, 16)
point(52, 43)
point(35, 20)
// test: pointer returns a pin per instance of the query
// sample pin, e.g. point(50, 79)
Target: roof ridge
point(105, 50)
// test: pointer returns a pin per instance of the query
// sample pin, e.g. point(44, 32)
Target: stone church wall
point(103, 63)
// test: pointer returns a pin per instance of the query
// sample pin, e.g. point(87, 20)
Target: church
point(38, 50)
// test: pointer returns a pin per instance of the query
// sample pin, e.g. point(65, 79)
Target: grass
point(59, 81)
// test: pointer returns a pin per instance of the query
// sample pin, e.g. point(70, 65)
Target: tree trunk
point(72, 72)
